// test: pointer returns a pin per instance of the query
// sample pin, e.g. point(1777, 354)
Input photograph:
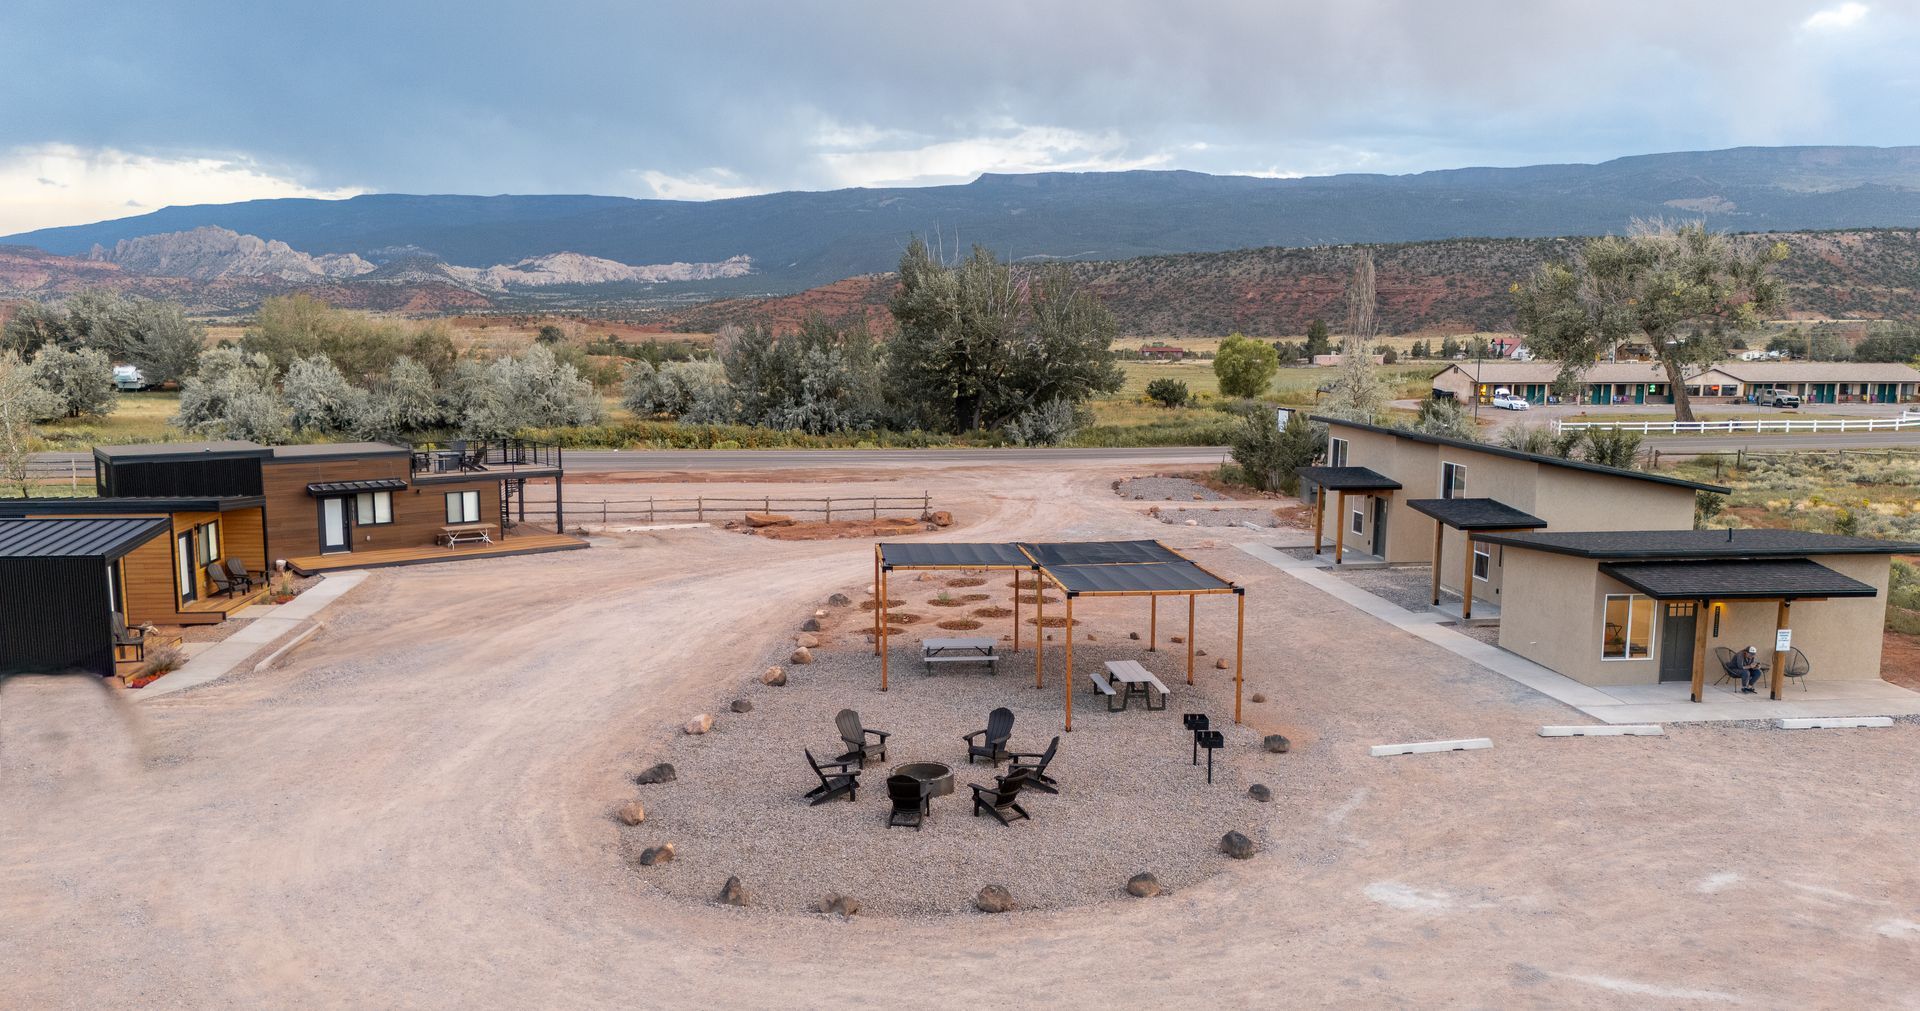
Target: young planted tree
point(1245, 367)
point(1684, 290)
point(1356, 392)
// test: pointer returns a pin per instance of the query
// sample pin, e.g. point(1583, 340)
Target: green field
point(138, 417)
point(1290, 386)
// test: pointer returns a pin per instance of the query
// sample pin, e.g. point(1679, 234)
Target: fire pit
point(937, 778)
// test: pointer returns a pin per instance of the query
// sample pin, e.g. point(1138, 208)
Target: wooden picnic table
point(1135, 679)
point(959, 650)
point(454, 535)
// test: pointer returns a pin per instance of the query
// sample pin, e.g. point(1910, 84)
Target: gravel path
point(1411, 588)
point(1167, 489)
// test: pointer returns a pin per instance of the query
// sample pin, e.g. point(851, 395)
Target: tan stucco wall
point(1558, 607)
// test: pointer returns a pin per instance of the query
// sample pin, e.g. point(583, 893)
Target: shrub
point(1269, 455)
point(1049, 424)
point(1168, 392)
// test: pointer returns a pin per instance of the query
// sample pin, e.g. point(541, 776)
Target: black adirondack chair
point(859, 748)
point(836, 778)
point(123, 636)
point(909, 797)
point(1034, 767)
point(237, 569)
point(1002, 799)
point(991, 743)
point(217, 575)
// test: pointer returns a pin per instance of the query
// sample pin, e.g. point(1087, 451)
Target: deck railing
point(489, 456)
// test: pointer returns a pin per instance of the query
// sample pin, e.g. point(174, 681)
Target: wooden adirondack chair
point(991, 743)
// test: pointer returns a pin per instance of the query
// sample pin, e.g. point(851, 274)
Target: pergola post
point(1016, 610)
point(1039, 626)
point(1439, 542)
point(1780, 624)
point(1319, 515)
point(1239, 654)
point(1466, 583)
point(882, 609)
point(1153, 622)
point(1190, 600)
point(1069, 677)
point(1340, 531)
point(1702, 614)
point(876, 600)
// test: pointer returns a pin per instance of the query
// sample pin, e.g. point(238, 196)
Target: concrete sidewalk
point(266, 625)
point(1663, 703)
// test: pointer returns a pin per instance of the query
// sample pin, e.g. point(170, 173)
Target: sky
point(113, 108)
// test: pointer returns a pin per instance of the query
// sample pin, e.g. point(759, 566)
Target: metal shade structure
point(320, 489)
point(1078, 569)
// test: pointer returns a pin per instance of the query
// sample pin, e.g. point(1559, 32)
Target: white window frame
point(1451, 474)
point(373, 508)
point(463, 500)
point(206, 542)
point(1626, 641)
point(1336, 451)
point(1482, 563)
point(1359, 524)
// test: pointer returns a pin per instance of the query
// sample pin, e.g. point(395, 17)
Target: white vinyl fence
point(1906, 422)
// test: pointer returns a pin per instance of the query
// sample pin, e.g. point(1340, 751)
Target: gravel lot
point(1167, 489)
point(1411, 588)
point(1219, 517)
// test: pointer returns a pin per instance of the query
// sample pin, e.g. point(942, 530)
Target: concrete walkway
point(1663, 703)
point(266, 625)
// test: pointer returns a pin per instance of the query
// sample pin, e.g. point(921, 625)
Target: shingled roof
point(1736, 579)
point(1476, 513)
point(1679, 544)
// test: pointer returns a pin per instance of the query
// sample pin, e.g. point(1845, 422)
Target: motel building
point(1596, 573)
point(1647, 383)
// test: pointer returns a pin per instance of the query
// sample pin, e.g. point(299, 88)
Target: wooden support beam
point(1702, 614)
point(1319, 515)
point(882, 609)
point(1153, 623)
point(1466, 585)
point(1190, 599)
point(1039, 628)
point(1239, 656)
point(1779, 679)
point(1069, 677)
point(1016, 609)
point(1439, 541)
point(876, 600)
point(1340, 531)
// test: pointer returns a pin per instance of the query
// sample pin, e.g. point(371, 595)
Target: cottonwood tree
point(406, 402)
point(1356, 392)
point(979, 346)
point(320, 399)
point(1684, 290)
point(233, 395)
point(1245, 367)
point(530, 390)
point(80, 379)
point(22, 402)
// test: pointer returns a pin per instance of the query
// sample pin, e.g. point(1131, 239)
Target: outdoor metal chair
point(1798, 667)
point(123, 636)
point(910, 802)
point(991, 743)
point(1002, 799)
point(1036, 771)
point(843, 779)
point(217, 575)
point(1730, 669)
point(859, 749)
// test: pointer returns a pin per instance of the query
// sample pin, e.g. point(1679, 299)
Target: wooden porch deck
point(213, 609)
point(532, 543)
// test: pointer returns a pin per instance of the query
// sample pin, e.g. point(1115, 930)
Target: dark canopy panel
point(1149, 577)
point(1101, 553)
point(1744, 579)
point(1476, 514)
point(128, 506)
point(105, 538)
point(1651, 544)
point(355, 487)
point(978, 556)
point(1348, 479)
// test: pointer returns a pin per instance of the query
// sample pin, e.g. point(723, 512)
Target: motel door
point(1676, 641)
point(333, 526)
point(1380, 526)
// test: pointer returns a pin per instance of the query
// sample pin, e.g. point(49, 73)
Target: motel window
point(1482, 563)
point(1359, 522)
point(1629, 629)
point(463, 507)
point(372, 508)
point(1453, 480)
point(1336, 452)
point(207, 538)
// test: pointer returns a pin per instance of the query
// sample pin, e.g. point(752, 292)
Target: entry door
point(333, 526)
point(1676, 641)
point(183, 566)
point(1380, 526)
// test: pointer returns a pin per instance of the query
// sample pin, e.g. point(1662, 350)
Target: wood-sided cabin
point(60, 581)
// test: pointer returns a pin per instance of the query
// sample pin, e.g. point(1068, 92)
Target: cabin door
point(184, 568)
point(333, 526)
point(1676, 641)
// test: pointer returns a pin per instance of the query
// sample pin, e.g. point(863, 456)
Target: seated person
point(1748, 662)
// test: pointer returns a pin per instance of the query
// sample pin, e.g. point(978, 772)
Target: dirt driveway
point(414, 812)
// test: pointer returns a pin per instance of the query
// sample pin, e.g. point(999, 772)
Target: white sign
point(1783, 640)
point(1282, 415)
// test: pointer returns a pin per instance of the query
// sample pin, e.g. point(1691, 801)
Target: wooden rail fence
point(653, 509)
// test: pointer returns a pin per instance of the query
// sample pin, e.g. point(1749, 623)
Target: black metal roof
point(78, 537)
point(1736, 579)
point(1101, 553)
point(129, 505)
point(1349, 478)
point(1475, 513)
point(164, 451)
point(1148, 577)
point(1515, 454)
point(1676, 544)
point(355, 487)
point(333, 449)
point(976, 556)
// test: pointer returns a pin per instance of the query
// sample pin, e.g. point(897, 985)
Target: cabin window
point(1453, 480)
point(463, 507)
point(1336, 452)
point(207, 537)
point(1359, 522)
point(1629, 630)
point(1482, 563)
point(372, 508)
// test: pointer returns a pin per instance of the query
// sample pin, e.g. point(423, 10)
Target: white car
point(1508, 401)
point(128, 378)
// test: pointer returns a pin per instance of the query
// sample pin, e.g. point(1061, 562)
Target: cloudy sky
point(115, 107)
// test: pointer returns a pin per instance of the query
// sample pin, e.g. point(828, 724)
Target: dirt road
point(414, 812)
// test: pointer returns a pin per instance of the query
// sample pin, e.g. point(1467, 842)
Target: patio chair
point(237, 571)
point(841, 780)
point(1036, 771)
point(994, 746)
point(217, 575)
point(1798, 667)
point(123, 636)
point(1730, 665)
point(859, 749)
point(910, 802)
point(1002, 799)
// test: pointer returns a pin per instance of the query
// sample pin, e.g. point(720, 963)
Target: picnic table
point(457, 534)
point(1133, 679)
point(959, 650)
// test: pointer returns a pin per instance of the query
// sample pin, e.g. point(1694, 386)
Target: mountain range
point(798, 240)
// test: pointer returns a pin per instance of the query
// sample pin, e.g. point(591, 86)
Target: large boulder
point(1237, 846)
point(803, 655)
point(939, 518)
point(1144, 885)
point(993, 899)
point(775, 676)
point(699, 724)
point(835, 904)
point(1257, 697)
point(662, 773)
point(1222, 664)
point(1277, 743)
point(660, 854)
point(768, 520)
point(810, 625)
point(731, 893)
point(741, 706)
point(1259, 792)
point(630, 813)
point(839, 600)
